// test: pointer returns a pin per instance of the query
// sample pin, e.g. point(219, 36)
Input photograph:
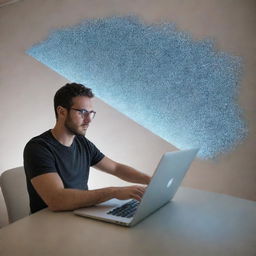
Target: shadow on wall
point(183, 90)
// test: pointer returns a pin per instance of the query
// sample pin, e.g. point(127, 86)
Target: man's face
point(76, 123)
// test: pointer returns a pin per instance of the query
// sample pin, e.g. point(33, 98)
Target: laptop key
point(127, 210)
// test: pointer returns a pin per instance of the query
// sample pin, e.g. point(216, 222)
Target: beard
point(73, 129)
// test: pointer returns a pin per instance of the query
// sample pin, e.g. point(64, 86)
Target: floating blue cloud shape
point(181, 89)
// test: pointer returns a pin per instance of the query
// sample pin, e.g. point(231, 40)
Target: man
point(57, 162)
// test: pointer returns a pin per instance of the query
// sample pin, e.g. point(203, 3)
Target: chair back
point(14, 188)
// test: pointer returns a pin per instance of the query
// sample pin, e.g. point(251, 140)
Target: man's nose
point(88, 118)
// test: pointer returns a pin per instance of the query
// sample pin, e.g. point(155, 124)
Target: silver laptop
point(163, 186)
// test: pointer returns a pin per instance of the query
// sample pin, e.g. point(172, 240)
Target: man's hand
point(135, 192)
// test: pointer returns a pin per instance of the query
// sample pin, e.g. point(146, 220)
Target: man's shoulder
point(42, 139)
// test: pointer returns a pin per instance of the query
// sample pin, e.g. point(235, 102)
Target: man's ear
point(62, 112)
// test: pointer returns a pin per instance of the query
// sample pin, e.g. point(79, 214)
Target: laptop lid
point(165, 182)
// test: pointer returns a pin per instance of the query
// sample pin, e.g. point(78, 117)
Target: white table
point(194, 223)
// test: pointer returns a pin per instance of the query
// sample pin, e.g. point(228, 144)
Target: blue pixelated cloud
point(181, 89)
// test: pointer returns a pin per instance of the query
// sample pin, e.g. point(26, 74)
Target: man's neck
point(62, 136)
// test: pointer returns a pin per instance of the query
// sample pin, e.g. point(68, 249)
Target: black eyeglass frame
point(85, 112)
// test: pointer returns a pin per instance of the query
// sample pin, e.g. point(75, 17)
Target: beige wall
point(27, 87)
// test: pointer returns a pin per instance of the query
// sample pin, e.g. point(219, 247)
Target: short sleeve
point(38, 159)
point(96, 154)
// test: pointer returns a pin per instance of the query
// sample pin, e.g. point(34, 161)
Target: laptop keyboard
point(126, 210)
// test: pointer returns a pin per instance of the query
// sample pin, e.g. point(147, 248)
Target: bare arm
point(51, 189)
point(122, 171)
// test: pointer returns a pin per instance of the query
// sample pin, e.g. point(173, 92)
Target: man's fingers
point(137, 197)
point(141, 189)
point(138, 192)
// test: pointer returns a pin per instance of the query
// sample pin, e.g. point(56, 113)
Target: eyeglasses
point(85, 113)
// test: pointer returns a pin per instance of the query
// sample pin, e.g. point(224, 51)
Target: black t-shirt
point(44, 154)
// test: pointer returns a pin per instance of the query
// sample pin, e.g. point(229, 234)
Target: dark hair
point(63, 97)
